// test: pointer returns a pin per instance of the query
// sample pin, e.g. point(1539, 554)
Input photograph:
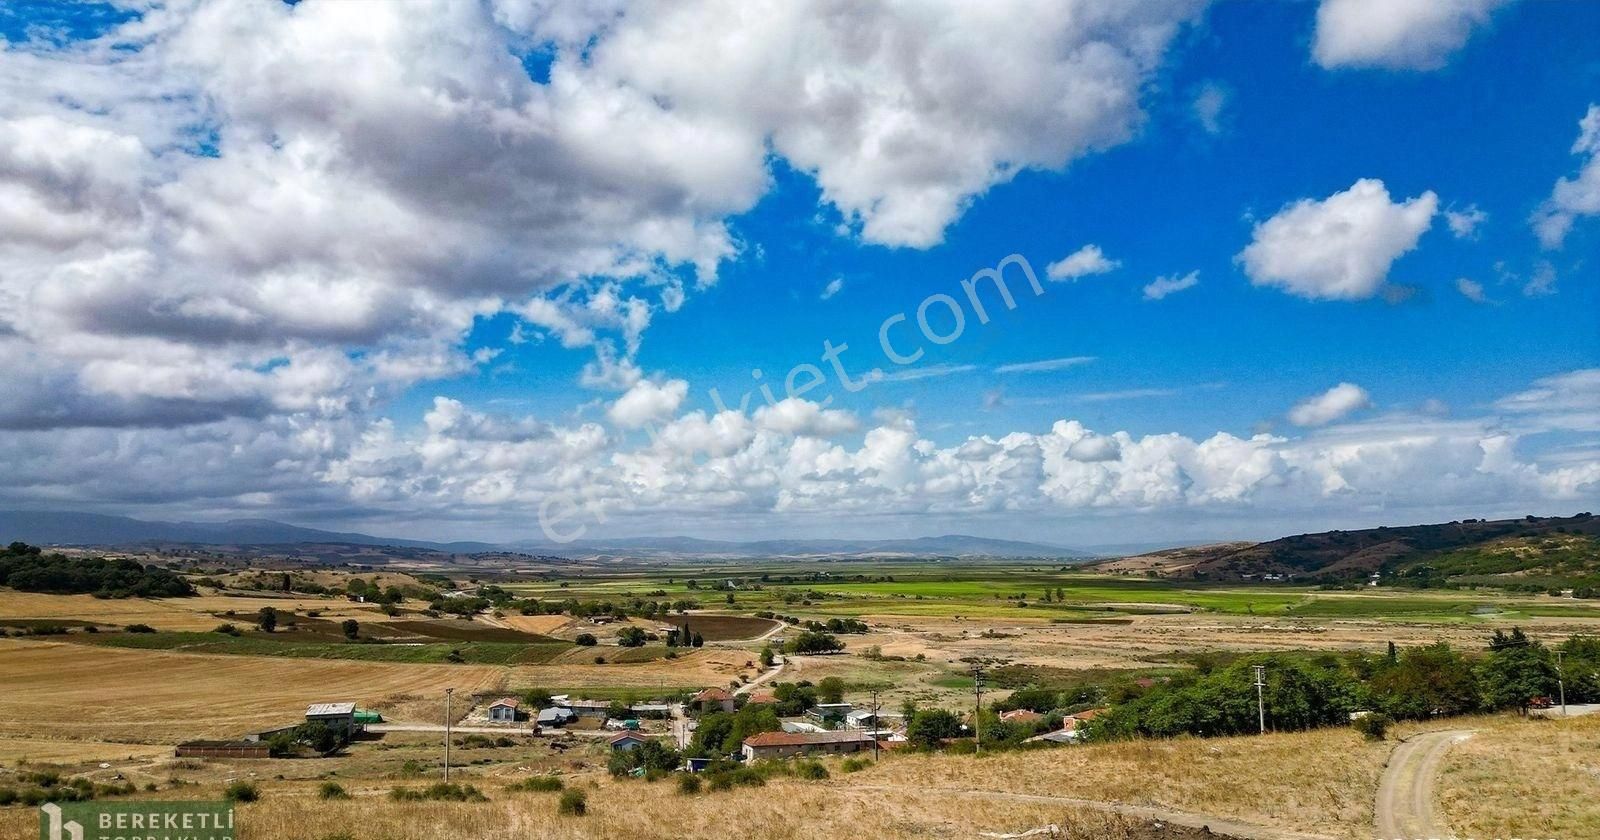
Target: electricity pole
point(1261, 703)
point(1561, 683)
point(447, 697)
point(875, 724)
point(977, 712)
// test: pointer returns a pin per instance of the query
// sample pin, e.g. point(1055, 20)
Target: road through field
point(1219, 825)
point(1405, 793)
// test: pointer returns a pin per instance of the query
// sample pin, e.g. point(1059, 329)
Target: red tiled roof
point(1088, 714)
point(763, 696)
point(623, 736)
point(800, 739)
point(1024, 715)
point(506, 701)
point(713, 693)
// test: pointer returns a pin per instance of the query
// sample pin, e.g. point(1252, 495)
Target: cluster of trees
point(838, 625)
point(1434, 680)
point(812, 641)
point(685, 637)
point(314, 734)
point(27, 568)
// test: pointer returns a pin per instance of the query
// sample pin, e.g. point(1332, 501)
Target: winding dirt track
point(1405, 793)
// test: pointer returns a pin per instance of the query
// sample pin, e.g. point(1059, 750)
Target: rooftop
point(800, 739)
point(713, 694)
point(330, 709)
point(506, 701)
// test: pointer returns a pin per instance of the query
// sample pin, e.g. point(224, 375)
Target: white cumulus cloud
point(1081, 263)
point(1340, 248)
point(1163, 286)
point(1336, 403)
point(1576, 196)
point(1396, 34)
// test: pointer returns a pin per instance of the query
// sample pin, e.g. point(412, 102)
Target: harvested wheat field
point(17, 751)
point(575, 669)
point(542, 625)
point(1524, 777)
point(79, 691)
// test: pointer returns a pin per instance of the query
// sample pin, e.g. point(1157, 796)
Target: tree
point(267, 619)
point(813, 642)
point(699, 640)
point(1426, 681)
point(536, 698)
point(351, 627)
point(766, 656)
point(631, 637)
point(831, 690)
point(1517, 670)
point(585, 640)
point(930, 727)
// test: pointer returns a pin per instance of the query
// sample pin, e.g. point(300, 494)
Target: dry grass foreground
point(81, 691)
point(783, 810)
point(1524, 777)
point(1315, 783)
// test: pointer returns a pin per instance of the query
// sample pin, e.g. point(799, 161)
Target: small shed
point(504, 710)
point(556, 716)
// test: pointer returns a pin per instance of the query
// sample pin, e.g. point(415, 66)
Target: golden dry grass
point(783, 810)
point(575, 669)
point(543, 625)
point(1316, 782)
point(17, 751)
point(90, 692)
point(1524, 778)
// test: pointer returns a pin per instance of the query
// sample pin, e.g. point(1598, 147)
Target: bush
point(574, 803)
point(688, 784)
point(226, 630)
point(1374, 725)
point(241, 792)
point(811, 770)
point(585, 640)
point(539, 784)
point(138, 628)
point(332, 790)
point(853, 765)
point(440, 792)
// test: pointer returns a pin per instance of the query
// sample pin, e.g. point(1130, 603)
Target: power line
point(977, 712)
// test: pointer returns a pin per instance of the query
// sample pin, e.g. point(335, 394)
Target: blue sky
point(407, 374)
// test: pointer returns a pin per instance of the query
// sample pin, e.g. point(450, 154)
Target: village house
point(830, 713)
point(714, 699)
point(627, 741)
point(340, 717)
point(1021, 716)
point(785, 744)
point(505, 710)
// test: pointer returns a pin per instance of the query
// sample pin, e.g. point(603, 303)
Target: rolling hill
point(1508, 551)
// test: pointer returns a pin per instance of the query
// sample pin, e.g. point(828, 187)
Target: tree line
point(27, 568)
point(1512, 672)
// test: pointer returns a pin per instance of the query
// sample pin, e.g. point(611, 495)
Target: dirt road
point(1405, 793)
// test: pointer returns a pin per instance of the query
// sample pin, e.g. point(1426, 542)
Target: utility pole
point(977, 711)
point(1261, 703)
point(1561, 683)
point(448, 694)
point(875, 724)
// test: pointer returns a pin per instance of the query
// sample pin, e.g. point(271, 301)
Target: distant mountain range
point(98, 530)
